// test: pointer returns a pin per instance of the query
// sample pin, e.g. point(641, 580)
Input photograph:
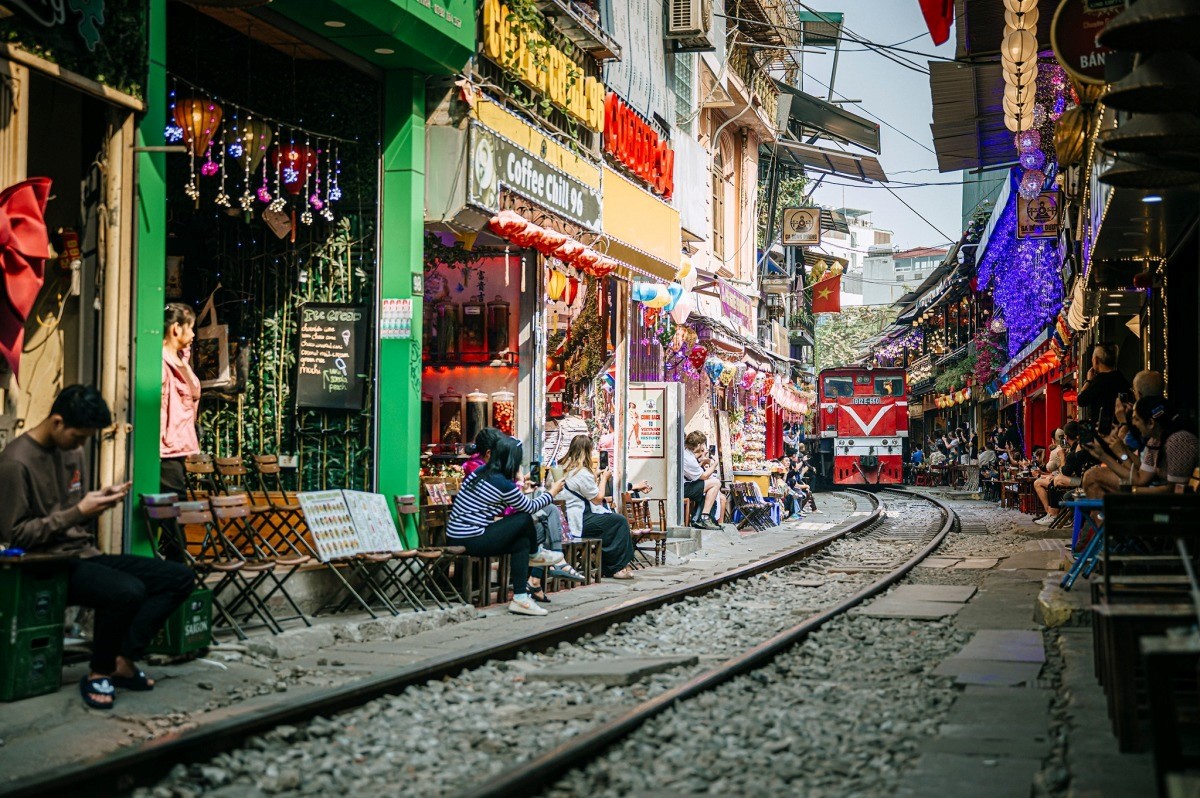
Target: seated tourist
point(477, 521)
point(1168, 456)
point(700, 484)
point(589, 516)
point(47, 509)
point(1076, 461)
point(1099, 481)
point(989, 463)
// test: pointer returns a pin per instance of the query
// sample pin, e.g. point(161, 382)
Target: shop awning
point(640, 230)
point(968, 118)
point(839, 163)
point(809, 115)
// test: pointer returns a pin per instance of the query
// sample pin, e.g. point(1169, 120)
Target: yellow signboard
point(550, 72)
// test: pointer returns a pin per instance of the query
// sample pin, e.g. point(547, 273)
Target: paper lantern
point(683, 308)
point(572, 292)
point(1020, 6)
point(199, 119)
point(748, 379)
point(675, 290)
point(1019, 46)
point(556, 283)
point(1017, 20)
point(548, 241)
point(525, 234)
point(255, 137)
point(295, 163)
point(714, 369)
point(686, 276)
point(569, 250)
point(698, 356)
point(661, 298)
point(506, 223)
point(1070, 135)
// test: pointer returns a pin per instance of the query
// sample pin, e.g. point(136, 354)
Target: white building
point(889, 275)
point(855, 246)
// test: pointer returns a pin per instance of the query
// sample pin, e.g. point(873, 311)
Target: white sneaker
point(1045, 520)
point(545, 557)
point(526, 606)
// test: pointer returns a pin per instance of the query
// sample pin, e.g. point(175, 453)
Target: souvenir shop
point(272, 239)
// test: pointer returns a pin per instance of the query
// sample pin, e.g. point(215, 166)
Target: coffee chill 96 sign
point(498, 163)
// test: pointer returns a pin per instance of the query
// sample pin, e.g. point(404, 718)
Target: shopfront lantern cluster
point(514, 227)
point(1043, 365)
point(1018, 58)
point(948, 400)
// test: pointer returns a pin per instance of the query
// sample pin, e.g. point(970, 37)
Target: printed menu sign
point(331, 355)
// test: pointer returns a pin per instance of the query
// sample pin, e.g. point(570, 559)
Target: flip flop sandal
point(137, 683)
point(538, 594)
point(565, 571)
point(93, 687)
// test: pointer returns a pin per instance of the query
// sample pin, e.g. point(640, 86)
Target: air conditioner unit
point(689, 24)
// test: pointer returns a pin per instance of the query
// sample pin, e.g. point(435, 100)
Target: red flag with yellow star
point(827, 295)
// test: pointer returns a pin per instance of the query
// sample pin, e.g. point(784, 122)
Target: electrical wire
point(918, 214)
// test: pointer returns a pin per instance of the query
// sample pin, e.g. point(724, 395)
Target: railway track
point(817, 581)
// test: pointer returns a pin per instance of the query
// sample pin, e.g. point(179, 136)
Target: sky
point(900, 98)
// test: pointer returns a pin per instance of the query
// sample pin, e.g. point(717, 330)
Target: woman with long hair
point(177, 435)
point(587, 514)
point(477, 522)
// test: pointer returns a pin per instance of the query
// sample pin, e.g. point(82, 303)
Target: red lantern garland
point(294, 162)
point(698, 356)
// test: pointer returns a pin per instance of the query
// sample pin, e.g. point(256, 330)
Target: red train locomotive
point(862, 424)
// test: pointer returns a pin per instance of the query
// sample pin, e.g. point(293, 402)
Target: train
point(862, 426)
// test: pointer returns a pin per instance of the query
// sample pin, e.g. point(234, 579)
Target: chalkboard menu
point(331, 356)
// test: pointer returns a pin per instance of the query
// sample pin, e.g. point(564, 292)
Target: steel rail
point(121, 771)
point(547, 767)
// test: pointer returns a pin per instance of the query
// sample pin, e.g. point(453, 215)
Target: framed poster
point(724, 446)
point(645, 424)
point(373, 520)
point(330, 524)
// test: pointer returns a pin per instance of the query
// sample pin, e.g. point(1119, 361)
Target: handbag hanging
point(210, 350)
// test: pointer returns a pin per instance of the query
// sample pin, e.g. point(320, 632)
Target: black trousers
point(132, 597)
point(616, 546)
point(694, 491)
point(513, 534)
point(173, 480)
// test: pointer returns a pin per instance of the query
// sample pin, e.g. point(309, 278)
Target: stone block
point(615, 672)
point(1058, 607)
point(292, 643)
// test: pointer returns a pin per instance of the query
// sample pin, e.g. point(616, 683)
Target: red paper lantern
point(698, 356)
point(548, 241)
point(506, 223)
point(569, 250)
point(526, 236)
point(572, 290)
point(294, 163)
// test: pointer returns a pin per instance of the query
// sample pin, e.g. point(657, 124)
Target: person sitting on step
point(700, 484)
point(589, 516)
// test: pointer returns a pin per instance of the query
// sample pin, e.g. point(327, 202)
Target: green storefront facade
point(400, 43)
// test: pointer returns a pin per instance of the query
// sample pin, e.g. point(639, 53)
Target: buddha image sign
point(645, 423)
point(1038, 217)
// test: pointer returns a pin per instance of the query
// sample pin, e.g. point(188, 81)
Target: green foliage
point(839, 336)
point(539, 38)
point(790, 194)
point(955, 376)
point(585, 350)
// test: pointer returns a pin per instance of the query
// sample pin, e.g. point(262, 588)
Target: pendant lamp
point(1168, 81)
point(1153, 25)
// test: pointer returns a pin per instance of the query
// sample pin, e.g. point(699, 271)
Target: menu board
point(373, 520)
point(330, 523)
point(331, 356)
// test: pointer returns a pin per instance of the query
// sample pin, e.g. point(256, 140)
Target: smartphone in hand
point(603, 461)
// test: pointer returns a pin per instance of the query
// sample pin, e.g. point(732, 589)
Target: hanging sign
point(1073, 33)
point(801, 227)
point(541, 66)
point(737, 306)
point(630, 140)
point(498, 163)
point(1038, 217)
point(331, 357)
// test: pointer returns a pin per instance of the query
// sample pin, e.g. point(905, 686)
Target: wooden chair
point(649, 536)
point(754, 513)
point(201, 476)
point(585, 555)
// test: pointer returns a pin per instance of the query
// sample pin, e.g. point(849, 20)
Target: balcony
point(765, 21)
point(580, 23)
point(759, 89)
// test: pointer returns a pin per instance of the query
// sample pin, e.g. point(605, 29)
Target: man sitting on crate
point(48, 510)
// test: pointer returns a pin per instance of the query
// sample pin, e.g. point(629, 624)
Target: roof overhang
point(809, 115)
point(862, 168)
point(968, 118)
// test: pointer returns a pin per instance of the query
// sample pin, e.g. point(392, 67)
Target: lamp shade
point(1020, 6)
point(1014, 76)
point(1148, 172)
point(1151, 133)
point(199, 119)
point(1070, 136)
point(1152, 25)
point(1027, 20)
point(1018, 123)
point(1162, 82)
point(1020, 46)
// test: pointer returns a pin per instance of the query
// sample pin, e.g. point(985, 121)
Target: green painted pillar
point(401, 257)
point(149, 279)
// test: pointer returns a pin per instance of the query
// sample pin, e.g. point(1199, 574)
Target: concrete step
point(682, 541)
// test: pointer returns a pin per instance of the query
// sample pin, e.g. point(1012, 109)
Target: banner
point(827, 295)
point(646, 433)
point(737, 307)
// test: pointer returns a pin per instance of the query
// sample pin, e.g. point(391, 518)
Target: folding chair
point(754, 513)
point(232, 517)
point(212, 557)
point(201, 476)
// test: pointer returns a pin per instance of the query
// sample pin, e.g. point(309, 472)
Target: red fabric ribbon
point(939, 14)
point(24, 247)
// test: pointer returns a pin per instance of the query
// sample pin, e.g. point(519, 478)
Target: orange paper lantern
point(199, 120)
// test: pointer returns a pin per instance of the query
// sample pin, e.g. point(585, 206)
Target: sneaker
point(1045, 520)
point(525, 605)
point(545, 557)
point(707, 523)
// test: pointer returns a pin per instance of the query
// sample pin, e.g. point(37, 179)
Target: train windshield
point(889, 386)
point(839, 386)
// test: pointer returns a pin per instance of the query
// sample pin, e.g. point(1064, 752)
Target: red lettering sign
point(632, 142)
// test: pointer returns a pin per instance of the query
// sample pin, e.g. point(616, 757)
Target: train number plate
point(867, 400)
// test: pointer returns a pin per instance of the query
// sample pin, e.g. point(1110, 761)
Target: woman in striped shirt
point(476, 524)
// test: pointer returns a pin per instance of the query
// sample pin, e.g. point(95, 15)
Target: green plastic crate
point(31, 662)
point(31, 595)
point(189, 627)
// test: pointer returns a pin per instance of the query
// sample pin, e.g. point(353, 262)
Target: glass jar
point(445, 331)
point(504, 412)
point(497, 328)
point(426, 420)
point(450, 431)
point(473, 341)
point(477, 413)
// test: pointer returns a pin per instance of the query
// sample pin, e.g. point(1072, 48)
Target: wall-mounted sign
point(646, 417)
point(631, 141)
point(1073, 33)
point(737, 306)
point(498, 163)
point(331, 356)
point(1039, 217)
point(801, 227)
point(542, 66)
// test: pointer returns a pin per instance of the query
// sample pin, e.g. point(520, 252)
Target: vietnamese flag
point(827, 295)
point(939, 14)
